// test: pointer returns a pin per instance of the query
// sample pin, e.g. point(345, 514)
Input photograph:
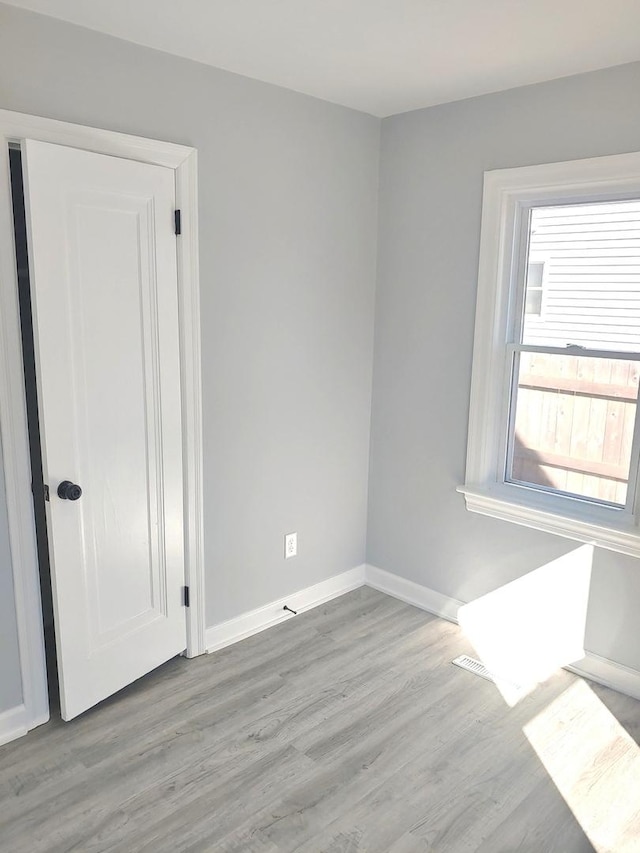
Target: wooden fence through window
point(574, 424)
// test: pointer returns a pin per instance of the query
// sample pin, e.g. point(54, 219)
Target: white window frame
point(509, 194)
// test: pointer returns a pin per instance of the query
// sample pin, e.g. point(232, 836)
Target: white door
point(102, 251)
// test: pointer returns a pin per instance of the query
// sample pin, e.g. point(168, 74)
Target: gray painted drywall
point(288, 193)
point(288, 201)
point(432, 164)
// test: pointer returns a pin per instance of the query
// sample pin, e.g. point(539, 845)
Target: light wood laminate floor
point(344, 729)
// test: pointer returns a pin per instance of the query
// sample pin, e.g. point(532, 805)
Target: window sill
point(623, 537)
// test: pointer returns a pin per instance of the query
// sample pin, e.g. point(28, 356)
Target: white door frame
point(15, 127)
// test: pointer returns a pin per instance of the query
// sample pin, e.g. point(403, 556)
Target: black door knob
point(68, 491)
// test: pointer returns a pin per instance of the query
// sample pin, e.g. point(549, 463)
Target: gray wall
point(432, 164)
point(288, 200)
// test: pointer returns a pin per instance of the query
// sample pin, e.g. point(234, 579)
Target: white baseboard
point(13, 724)
point(592, 666)
point(253, 621)
point(413, 593)
point(609, 673)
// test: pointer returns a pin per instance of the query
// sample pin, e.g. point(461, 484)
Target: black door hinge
point(185, 594)
point(177, 217)
point(46, 492)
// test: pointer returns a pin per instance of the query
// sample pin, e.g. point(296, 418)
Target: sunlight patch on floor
point(527, 629)
point(595, 765)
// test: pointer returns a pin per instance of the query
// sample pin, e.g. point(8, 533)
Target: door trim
point(14, 127)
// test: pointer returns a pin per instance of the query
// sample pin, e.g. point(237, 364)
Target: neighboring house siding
point(591, 281)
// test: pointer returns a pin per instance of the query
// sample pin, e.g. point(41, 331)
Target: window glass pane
point(533, 303)
point(590, 254)
point(573, 424)
point(535, 271)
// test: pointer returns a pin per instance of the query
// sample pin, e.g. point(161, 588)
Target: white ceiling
point(379, 56)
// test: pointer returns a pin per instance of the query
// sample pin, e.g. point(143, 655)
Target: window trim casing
point(507, 196)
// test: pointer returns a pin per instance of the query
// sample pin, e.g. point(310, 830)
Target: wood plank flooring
point(344, 729)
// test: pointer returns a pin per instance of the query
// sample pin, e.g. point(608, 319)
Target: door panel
point(116, 292)
point(105, 303)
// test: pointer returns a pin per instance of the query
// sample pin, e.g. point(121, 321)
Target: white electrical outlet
point(290, 545)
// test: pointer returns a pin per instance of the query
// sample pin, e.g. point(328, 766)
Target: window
point(534, 287)
point(554, 429)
